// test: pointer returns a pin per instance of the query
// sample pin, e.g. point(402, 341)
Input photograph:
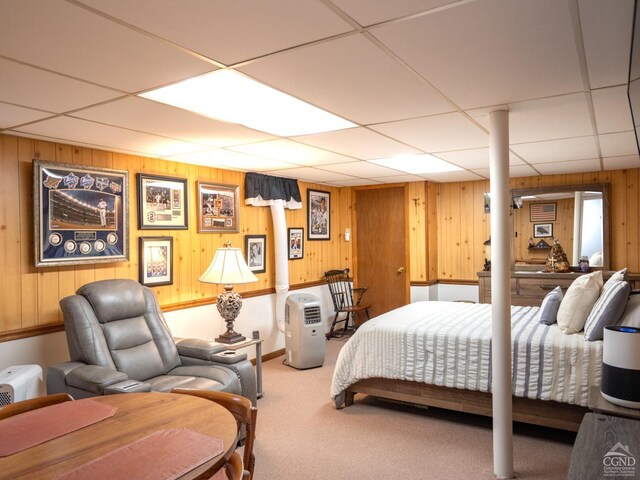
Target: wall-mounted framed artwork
point(81, 214)
point(296, 243)
point(318, 215)
point(156, 261)
point(541, 230)
point(162, 202)
point(542, 212)
point(218, 208)
point(255, 250)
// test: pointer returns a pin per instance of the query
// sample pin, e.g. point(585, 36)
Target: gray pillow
point(549, 308)
point(631, 315)
point(607, 309)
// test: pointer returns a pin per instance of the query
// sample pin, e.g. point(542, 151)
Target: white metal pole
point(577, 228)
point(501, 294)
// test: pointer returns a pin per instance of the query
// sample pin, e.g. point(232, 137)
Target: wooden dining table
point(141, 421)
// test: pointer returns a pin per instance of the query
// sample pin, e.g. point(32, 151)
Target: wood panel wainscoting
point(536, 412)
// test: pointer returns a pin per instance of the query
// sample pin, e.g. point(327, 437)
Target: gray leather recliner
point(119, 342)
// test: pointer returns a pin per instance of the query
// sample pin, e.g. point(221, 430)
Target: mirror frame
point(594, 187)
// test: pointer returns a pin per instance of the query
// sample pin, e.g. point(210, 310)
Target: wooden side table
point(599, 404)
point(257, 342)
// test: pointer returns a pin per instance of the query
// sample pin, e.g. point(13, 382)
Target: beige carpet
point(300, 435)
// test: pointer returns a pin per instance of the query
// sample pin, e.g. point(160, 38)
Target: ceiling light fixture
point(232, 97)
point(417, 164)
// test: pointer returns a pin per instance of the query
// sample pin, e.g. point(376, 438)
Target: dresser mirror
point(576, 216)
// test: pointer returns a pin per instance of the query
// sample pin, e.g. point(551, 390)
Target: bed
point(439, 354)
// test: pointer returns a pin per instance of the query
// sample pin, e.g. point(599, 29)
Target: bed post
point(501, 294)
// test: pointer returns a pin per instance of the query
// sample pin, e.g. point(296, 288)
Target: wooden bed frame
point(537, 412)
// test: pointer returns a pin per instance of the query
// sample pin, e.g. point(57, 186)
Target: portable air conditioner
point(304, 331)
point(20, 383)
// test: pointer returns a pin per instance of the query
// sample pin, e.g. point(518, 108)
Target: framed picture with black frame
point(255, 249)
point(162, 202)
point(318, 215)
point(296, 243)
point(156, 261)
point(218, 208)
point(542, 230)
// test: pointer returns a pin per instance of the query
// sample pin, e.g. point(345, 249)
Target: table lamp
point(228, 268)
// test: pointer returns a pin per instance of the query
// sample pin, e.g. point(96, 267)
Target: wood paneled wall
point(30, 295)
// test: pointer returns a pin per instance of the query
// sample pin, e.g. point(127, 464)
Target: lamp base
point(232, 337)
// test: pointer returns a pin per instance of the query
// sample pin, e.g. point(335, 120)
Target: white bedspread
point(449, 344)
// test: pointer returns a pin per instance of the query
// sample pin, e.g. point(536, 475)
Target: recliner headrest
point(115, 299)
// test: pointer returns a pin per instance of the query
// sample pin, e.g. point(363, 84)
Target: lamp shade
point(228, 267)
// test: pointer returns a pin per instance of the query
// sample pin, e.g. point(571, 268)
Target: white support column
point(501, 294)
point(577, 228)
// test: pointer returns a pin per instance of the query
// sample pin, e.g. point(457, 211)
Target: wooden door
point(381, 250)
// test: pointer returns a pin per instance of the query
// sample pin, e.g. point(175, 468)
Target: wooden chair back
point(32, 404)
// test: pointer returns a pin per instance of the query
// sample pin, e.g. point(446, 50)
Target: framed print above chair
point(318, 215)
point(162, 202)
point(156, 261)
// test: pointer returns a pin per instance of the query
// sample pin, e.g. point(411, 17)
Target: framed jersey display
point(81, 214)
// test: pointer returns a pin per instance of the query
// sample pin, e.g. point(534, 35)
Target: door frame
point(407, 242)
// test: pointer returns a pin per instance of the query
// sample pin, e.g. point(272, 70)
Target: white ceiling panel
point(64, 38)
point(611, 108)
point(159, 119)
point(229, 32)
point(105, 136)
point(366, 12)
point(491, 52)
point(579, 148)
point(293, 152)
point(311, 174)
point(438, 133)
point(576, 166)
point(622, 162)
point(473, 158)
point(32, 87)
point(359, 182)
point(11, 116)
point(618, 144)
point(361, 168)
point(359, 143)
point(514, 171)
point(231, 160)
point(606, 30)
point(459, 176)
point(352, 78)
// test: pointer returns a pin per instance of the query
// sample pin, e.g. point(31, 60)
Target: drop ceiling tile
point(622, 162)
point(152, 117)
point(11, 116)
point(73, 130)
point(606, 33)
point(491, 52)
point(473, 158)
point(401, 179)
point(514, 171)
point(579, 148)
point(553, 118)
point(360, 143)
point(230, 160)
point(32, 87)
point(62, 37)
point(576, 166)
point(293, 152)
point(352, 78)
point(229, 32)
point(311, 174)
point(611, 108)
point(366, 12)
point(458, 176)
point(437, 133)
point(357, 182)
point(361, 169)
point(618, 144)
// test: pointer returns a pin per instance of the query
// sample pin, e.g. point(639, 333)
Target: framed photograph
point(542, 212)
point(81, 214)
point(542, 230)
point(255, 250)
point(218, 208)
point(318, 215)
point(156, 261)
point(296, 243)
point(487, 202)
point(162, 202)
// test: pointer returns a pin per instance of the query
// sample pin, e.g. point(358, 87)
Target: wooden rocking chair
point(346, 300)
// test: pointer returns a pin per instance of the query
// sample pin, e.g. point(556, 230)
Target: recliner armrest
point(94, 378)
point(198, 348)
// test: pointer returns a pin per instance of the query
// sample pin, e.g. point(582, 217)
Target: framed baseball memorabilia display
point(162, 202)
point(156, 261)
point(318, 215)
point(81, 214)
point(296, 243)
point(218, 208)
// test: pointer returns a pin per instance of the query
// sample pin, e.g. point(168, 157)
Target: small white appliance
point(20, 382)
point(304, 331)
point(621, 366)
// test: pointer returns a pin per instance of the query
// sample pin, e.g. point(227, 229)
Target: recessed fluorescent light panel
point(232, 97)
point(417, 164)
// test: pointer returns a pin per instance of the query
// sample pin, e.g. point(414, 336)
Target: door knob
point(401, 270)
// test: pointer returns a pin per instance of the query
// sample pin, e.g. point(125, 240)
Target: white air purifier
point(20, 383)
point(621, 366)
point(304, 331)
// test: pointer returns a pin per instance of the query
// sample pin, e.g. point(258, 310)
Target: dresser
point(528, 288)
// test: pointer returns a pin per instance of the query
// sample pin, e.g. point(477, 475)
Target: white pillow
point(596, 259)
point(578, 302)
point(619, 276)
